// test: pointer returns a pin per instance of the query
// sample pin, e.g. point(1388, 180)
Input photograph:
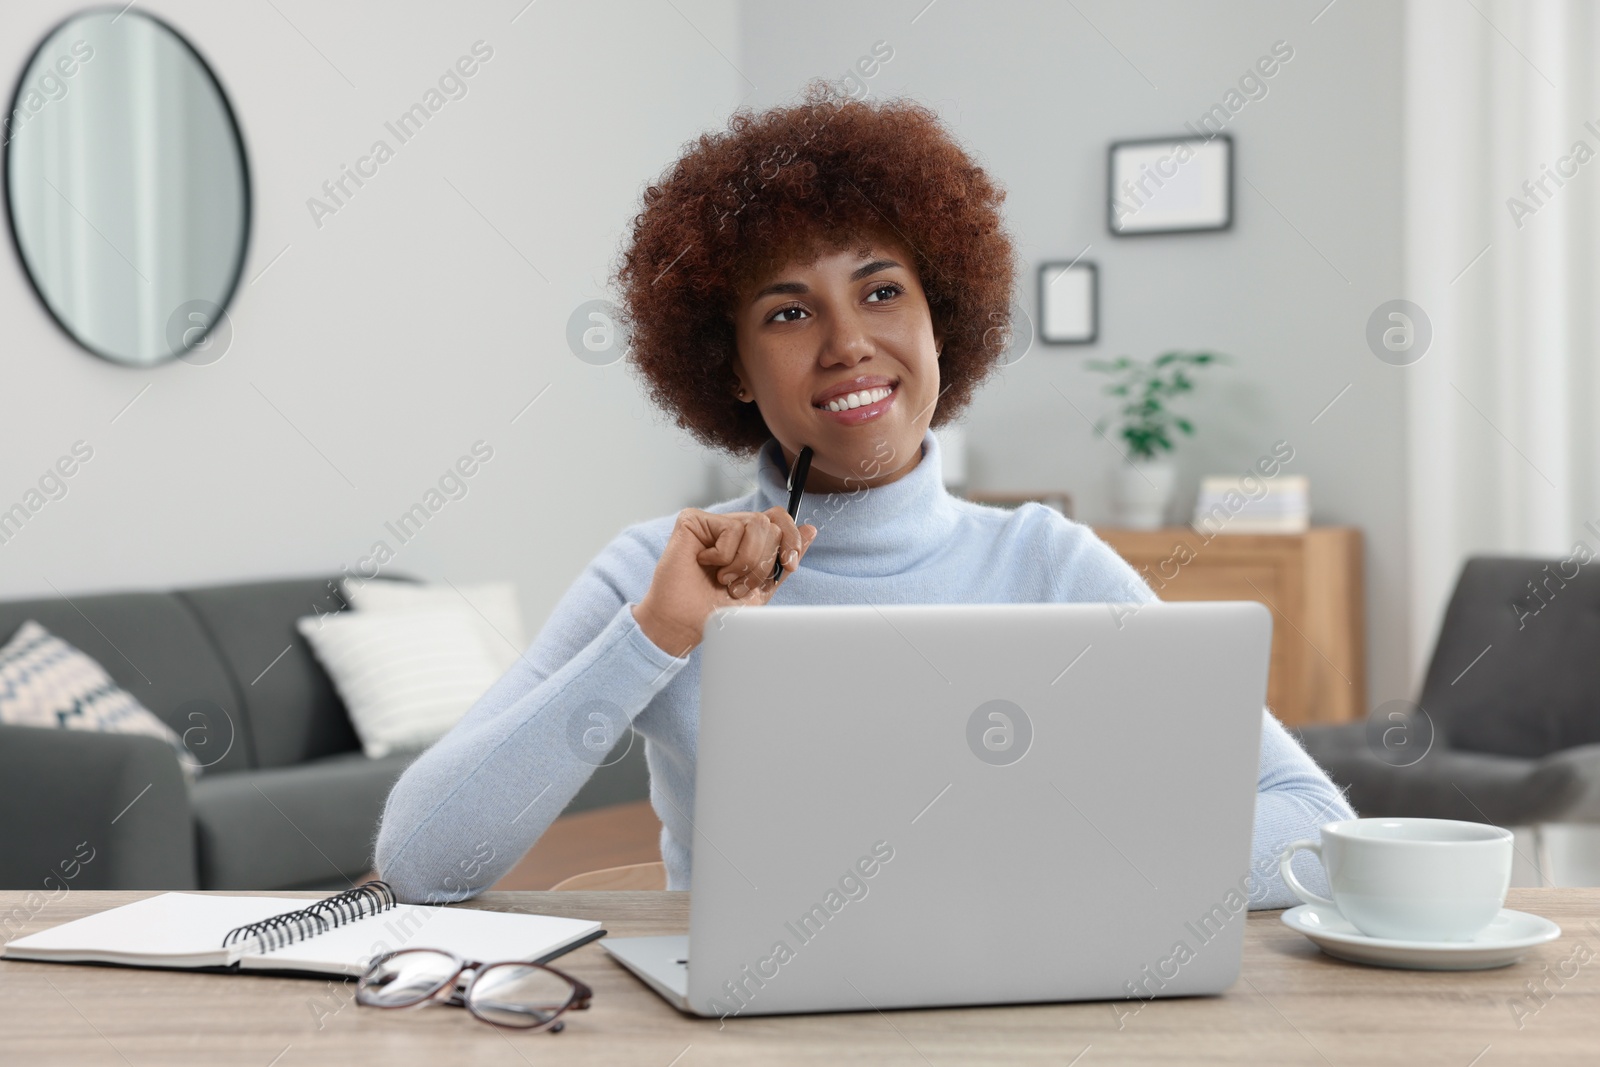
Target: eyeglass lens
point(515, 994)
point(407, 978)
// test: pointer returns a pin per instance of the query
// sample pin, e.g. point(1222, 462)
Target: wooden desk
point(1312, 583)
point(1291, 1005)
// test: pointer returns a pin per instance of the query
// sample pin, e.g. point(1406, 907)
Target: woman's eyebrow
point(800, 287)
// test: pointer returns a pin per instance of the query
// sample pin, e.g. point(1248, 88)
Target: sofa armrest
point(1449, 783)
point(1584, 763)
point(85, 810)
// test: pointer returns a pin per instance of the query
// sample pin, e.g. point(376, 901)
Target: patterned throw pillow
point(44, 681)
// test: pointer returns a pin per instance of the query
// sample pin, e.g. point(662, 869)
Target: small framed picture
point(1069, 303)
point(1170, 185)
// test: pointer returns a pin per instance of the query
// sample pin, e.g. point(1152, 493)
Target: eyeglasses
point(514, 993)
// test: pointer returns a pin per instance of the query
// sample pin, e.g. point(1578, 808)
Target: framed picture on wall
point(1170, 185)
point(1069, 303)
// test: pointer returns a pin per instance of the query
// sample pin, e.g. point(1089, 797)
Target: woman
point(833, 274)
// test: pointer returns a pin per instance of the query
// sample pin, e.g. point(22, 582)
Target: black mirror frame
point(232, 287)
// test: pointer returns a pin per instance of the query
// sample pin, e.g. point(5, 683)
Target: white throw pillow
point(497, 617)
point(45, 681)
point(405, 677)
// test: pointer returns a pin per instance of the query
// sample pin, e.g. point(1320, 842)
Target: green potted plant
point(1148, 429)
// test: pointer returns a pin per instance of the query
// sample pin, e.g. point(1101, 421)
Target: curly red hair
point(790, 183)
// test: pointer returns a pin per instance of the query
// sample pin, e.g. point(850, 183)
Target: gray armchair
point(287, 799)
point(1507, 729)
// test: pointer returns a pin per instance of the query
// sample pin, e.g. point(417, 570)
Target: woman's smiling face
point(851, 322)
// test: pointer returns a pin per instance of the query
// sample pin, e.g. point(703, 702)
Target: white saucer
point(1502, 942)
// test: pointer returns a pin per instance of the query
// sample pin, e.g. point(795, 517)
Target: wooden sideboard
point(1312, 583)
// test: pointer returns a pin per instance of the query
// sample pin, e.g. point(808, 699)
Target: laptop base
point(661, 962)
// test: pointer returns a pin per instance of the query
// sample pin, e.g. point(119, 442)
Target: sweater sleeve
point(1294, 796)
point(466, 810)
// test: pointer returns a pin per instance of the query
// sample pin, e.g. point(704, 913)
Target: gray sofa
point(287, 799)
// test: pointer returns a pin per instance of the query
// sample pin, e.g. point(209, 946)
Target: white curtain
point(1503, 449)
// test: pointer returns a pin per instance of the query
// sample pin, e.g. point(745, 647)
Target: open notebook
point(338, 935)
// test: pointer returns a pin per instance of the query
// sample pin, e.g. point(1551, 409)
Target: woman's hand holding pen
point(715, 561)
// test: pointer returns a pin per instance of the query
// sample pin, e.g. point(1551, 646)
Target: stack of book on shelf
point(1253, 505)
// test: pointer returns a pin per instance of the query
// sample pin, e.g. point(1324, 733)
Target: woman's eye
point(784, 311)
point(891, 287)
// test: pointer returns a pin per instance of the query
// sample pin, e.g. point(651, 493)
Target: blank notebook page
point(172, 928)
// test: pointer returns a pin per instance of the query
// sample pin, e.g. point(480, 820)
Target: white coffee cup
point(1410, 879)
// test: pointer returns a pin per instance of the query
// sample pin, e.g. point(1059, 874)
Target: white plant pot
point(1140, 492)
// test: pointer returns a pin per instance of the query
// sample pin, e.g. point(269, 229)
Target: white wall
point(401, 331)
point(405, 328)
point(1037, 91)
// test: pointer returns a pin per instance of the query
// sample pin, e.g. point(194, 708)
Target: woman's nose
point(847, 341)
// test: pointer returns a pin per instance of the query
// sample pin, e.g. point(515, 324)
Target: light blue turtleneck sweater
point(470, 806)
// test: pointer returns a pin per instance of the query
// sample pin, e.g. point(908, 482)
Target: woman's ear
point(738, 387)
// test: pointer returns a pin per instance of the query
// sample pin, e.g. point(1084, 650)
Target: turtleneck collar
point(869, 532)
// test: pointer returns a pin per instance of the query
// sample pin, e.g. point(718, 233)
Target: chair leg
point(1541, 853)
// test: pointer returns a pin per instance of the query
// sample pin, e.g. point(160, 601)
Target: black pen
point(797, 487)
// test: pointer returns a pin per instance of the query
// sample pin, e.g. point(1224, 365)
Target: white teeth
point(855, 400)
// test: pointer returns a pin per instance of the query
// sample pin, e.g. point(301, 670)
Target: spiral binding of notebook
point(368, 898)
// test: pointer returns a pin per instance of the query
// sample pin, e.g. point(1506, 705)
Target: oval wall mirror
point(126, 186)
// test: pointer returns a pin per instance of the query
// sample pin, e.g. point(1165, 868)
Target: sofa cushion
point(152, 645)
point(496, 616)
point(292, 827)
point(406, 676)
point(293, 710)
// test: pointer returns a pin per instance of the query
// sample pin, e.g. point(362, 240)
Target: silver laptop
point(915, 805)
